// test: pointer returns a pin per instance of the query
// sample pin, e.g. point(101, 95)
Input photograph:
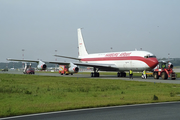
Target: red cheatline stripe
point(151, 62)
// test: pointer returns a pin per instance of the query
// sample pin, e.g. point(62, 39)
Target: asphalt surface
point(156, 111)
point(112, 77)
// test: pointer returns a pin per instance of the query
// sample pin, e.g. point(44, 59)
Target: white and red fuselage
point(121, 61)
point(124, 61)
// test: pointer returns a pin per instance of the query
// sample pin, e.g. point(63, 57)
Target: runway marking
point(77, 110)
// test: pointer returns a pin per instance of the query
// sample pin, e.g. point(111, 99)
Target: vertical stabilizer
point(81, 45)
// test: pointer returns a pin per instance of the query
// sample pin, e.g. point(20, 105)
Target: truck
point(63, 69)
point(5, 69)
point(164, 70)
point(68, 69)
point(28, 69)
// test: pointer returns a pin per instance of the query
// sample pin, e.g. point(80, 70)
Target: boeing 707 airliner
point(112, 61)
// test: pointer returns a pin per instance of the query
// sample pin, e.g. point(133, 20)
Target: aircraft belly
point(135, 65)
point(124, 65)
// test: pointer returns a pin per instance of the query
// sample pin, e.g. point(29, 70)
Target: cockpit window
point(149, 56)
point(153, 56)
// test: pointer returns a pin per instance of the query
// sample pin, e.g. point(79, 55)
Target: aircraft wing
point(67, 57)
point(37, 61)
point(60, 63)
point(10, 59)
point(105, 67)
point(102, 67)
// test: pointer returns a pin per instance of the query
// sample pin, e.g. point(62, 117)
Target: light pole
point(55, 60)
point(23, 58)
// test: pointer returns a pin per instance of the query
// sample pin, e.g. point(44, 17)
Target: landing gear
point(121, 74)
point(95, 73)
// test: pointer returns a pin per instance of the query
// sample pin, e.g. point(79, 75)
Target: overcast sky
point(42, 26)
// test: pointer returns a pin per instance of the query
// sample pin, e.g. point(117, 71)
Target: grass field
point(25, 94)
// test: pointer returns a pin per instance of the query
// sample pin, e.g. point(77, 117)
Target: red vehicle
point(28, 69)
point(68, 69)
point(63, 69)
point(164, 70)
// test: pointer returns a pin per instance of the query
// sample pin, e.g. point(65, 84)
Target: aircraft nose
point(154, 62)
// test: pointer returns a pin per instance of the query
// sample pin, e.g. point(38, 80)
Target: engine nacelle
point(73, 68)
point(41, 66)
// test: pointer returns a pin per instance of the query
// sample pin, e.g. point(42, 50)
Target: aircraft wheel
point(92, 74)
point(118, 74)
point(96, 74)
point(123, 74)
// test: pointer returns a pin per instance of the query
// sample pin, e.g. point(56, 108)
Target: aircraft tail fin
point(81, 45)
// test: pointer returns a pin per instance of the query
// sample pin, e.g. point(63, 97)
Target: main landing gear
point(121, 74)
point(95, 73)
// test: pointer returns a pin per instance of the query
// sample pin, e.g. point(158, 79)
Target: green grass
point(25, 94)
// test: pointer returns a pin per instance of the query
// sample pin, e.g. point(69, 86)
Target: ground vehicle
point(5, 69)
point(164, 70)
point(68, 69)
point(28, 69)
point(63, 69)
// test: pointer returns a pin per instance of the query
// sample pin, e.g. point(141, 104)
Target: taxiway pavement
point(112, 77)
point(154, 111)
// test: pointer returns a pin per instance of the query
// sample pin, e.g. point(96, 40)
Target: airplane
point(111, 61)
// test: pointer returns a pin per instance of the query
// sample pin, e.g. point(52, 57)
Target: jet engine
point(41, 66)
point(73, 68)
